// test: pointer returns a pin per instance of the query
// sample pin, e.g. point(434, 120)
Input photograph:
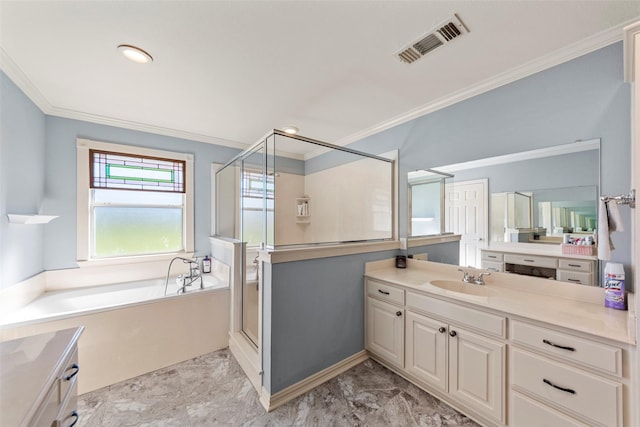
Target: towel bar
point(623, 199)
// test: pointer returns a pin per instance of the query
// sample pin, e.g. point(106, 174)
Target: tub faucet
point(182, 280)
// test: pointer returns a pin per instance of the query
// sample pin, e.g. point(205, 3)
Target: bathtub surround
point(131, 328)
point(180, 395)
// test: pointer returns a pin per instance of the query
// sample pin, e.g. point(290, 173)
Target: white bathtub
point(59, 304)
point(130, 328)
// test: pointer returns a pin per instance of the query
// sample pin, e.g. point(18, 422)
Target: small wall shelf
point(303, 212)
point(30, 219)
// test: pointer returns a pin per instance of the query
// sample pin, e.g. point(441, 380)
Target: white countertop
point(576, 307)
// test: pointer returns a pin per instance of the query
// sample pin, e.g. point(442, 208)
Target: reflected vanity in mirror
point(533, 200)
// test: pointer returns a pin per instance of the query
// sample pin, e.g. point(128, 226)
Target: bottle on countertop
point(614, 288)
point(206, 264)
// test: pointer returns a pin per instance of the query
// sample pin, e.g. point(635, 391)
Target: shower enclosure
point(288, 192)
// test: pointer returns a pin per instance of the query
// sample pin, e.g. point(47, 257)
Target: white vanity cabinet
point(454, 351)
point(385, 322)
point(560, 379)
point(39, 378)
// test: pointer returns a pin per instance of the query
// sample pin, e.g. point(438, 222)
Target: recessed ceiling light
point(135, 54)
point(291, 130)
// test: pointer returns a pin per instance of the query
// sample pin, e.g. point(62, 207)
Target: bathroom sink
point(467, 289)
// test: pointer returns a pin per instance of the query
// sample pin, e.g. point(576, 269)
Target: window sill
point(133, 259)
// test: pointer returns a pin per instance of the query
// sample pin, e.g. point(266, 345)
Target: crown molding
point(557, 57)
point(21, 80)
point(142, 127)
point(15, 73)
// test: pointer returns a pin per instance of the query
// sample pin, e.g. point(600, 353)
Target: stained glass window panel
point(130, 172)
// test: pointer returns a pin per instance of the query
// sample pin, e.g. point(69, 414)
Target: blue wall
point(22, 165)
point(582, 99)
point(61, 135)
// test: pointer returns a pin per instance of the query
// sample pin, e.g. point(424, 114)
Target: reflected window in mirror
point(426, 198)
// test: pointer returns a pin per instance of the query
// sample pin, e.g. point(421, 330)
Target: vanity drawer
point(538, 261)
point(479, 320)
point(575, 265)
point(492, 256)
point(588, 353)
point(492, 265)
point(385, 292)
point(66, 377)
point(574, 390)
point(527, 412)
point(577, 277)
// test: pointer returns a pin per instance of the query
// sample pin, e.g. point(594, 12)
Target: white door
point(466, 214)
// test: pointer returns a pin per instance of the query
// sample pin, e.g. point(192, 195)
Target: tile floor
point(212, 390)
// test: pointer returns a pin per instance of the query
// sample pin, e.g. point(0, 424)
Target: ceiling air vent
point(444, 33)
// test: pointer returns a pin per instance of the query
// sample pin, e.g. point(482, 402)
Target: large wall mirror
point(533, 197)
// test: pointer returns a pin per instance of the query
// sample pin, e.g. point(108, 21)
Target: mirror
point(555, 189)
point(531, 198)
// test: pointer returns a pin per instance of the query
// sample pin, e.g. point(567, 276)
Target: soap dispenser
point(206, 264)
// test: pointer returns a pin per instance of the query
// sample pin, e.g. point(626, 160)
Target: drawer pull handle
point(547, 342)
point(492, 256)
point(383, 292)
point(75, 417)
point(575, 265)
point(398, 313)
point(74, 373)
point(529, 260)
point(442, 329)
point(453, 333)
point(574, 280)
point(566, 390)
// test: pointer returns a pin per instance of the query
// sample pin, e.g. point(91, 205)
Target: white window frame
point(83, 196)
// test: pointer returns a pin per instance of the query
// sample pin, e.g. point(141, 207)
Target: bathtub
point(130, 328)
point(72, 302)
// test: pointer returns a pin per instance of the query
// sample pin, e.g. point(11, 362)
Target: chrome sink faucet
point(480, 279)
point(467, 278)
point(470, 278)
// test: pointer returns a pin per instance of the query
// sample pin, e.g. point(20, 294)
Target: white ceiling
point(228, 71)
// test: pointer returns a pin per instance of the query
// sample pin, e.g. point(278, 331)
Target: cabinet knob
point(453, 333)
point(442, 329)
point(398, 313)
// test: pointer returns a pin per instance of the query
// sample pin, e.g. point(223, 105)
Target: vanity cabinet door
point(476, 372)
point(426, 356)
point(385, 331)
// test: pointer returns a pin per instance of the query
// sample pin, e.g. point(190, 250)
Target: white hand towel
point(609, 220)
point(615, 221)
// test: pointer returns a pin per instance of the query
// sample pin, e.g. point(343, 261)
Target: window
point(133, 201)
